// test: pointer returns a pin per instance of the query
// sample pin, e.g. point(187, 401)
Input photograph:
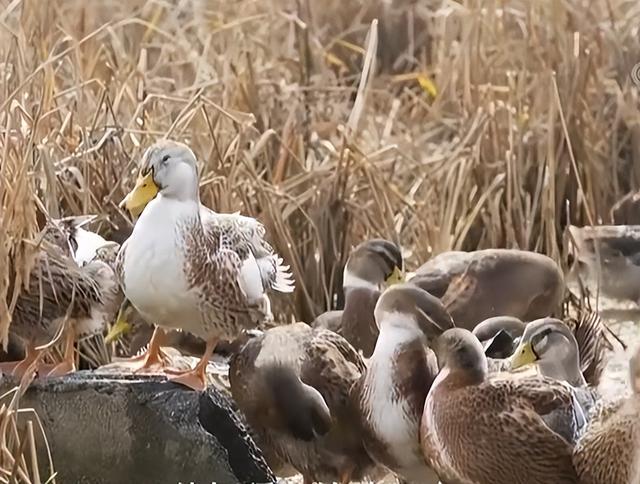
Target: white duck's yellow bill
point(143, 192)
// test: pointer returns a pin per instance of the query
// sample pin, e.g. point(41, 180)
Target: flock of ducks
point(457, 375)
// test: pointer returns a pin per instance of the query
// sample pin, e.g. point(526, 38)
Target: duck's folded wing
point(57, 285)
point(335, 342)
point(332, 366)
point(246, 237)
point(555, 402)
point(592, 343)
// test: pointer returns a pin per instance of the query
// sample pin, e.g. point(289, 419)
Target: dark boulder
point(106, 428)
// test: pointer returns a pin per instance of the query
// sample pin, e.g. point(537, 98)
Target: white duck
point(187, 267)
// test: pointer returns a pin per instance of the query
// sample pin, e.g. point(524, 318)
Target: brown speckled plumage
point(477, 430)
point(300, 361)
point(211, 269)
point(609, 451)
point(57, 287)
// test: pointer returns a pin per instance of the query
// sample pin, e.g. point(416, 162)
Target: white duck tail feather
point(283, 281)
point(273, 272)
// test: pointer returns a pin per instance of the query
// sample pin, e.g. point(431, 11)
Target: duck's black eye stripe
point(390, 255)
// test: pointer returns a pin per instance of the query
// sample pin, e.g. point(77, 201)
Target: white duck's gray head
point(550, 344)
point(167, 167)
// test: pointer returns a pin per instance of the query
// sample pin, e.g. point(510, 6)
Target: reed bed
point(472, 124)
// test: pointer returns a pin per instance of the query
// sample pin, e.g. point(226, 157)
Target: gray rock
point(105, 428)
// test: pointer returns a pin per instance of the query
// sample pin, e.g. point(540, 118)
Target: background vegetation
point(481, 123)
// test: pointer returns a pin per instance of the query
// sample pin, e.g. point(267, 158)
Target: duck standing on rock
point(187, 267)
point(478, 285)
point(293, 383)
point(93, 252)
point(371, 266)
point(390, 395)
point(60, 292)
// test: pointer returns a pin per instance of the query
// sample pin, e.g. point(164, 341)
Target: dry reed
point(486, 123)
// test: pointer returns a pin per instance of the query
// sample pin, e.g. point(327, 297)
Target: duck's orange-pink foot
point(194, 379)
point(60, 369)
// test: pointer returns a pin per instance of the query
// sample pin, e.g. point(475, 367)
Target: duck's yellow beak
point(121, 326)
point(395, 277)
point(138, 198)
point(524, 355)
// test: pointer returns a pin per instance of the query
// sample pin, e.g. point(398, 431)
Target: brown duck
point(481, 430)
point(609, 451)
point(390, 395)
point(58, 291)
point(478, 285)
point(292, 383)
point(371, 266)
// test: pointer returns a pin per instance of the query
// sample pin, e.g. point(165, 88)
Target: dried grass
point(486, 123)
point(19, 458)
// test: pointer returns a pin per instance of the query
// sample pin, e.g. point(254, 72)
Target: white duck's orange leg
point(196, 378)
point(149, 361)
point(152, 358)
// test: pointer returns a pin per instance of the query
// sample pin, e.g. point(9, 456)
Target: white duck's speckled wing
point(224, 264)
point(246, 236)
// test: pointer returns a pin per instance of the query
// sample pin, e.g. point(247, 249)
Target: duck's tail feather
point(592, 342)
point(283, 280)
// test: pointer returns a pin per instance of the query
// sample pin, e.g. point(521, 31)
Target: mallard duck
point(478, 285)
point(551, 345)
point(58, 291)
point(371, 266)
point(607, 258)
point(187, 267)
point(390, 395)
point(477, 430)
point(89, 250)
point(609, 451)
point(499, 335)
point(292, 383)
